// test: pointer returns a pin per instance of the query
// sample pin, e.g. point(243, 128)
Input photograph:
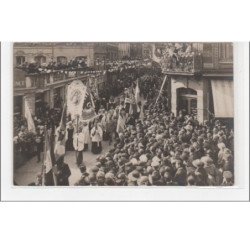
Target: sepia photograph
point(123, 114)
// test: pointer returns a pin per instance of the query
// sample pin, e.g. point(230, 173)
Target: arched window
point(226, 52)
point(20, 60)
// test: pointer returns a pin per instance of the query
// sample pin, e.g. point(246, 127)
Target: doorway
point(187, 101)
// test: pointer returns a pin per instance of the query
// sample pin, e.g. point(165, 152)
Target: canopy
point(223, 98)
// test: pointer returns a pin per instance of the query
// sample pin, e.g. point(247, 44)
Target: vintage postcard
point(123, 114)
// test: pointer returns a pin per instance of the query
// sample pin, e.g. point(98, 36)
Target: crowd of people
point(165, 150)
point(178, 57)
point(27, 143)
point(149, 145)
point(38, 67)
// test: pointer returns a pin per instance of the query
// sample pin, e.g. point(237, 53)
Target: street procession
point(130, 114)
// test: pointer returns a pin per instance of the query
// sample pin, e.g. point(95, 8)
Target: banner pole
point(163, 83)
point(44, 156)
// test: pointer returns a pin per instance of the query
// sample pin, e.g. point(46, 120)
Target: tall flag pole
point(44, 157)
point(53, 159)
point(160, 92)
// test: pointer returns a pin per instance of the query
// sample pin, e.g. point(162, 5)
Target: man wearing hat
point(70, 132)
point(84, 180)
point(62, 172)
point(227, 178)
point(200, 173)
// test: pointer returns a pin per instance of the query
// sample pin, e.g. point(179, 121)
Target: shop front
point(187, 101)
point(190, 95)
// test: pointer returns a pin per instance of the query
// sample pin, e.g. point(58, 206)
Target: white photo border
point(239, 192)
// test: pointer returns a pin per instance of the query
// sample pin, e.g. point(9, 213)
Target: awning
point(223, 97)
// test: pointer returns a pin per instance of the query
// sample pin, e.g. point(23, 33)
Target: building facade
point(123, 50)
point(136, 50)
point(50, 87)
point(203, 83)
point(45, 52)
point(64, 52)
point(146, 50)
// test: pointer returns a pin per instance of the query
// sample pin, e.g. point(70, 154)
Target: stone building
point(123, 50)
point(202, 84)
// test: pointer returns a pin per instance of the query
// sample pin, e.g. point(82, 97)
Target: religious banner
point(88, 109)
point(75, 98)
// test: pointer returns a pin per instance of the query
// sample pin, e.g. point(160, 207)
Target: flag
point(137, 92)
point(28, 116)
point(49, 161)
point(141, 115)
point(88, 108)
point(120, 124)
point(139, 99)
point(59, 149)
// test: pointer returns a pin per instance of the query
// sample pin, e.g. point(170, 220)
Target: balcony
point(28, 83)
point(182, 65)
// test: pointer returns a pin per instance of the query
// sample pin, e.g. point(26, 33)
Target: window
point(226, 52)
point(62, 59)
point(20, 60)
point(40, 59)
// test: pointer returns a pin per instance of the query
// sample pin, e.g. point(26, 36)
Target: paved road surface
point(28, 172)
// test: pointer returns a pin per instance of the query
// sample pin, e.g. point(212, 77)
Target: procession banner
point(28, 116)
point(88, 108)
point(75, 98)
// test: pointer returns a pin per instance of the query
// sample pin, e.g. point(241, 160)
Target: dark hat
point(197, 163)
point(143, 180)
point(95, 169)
point(227, 175)
point(82, 168)
point(122, 175)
